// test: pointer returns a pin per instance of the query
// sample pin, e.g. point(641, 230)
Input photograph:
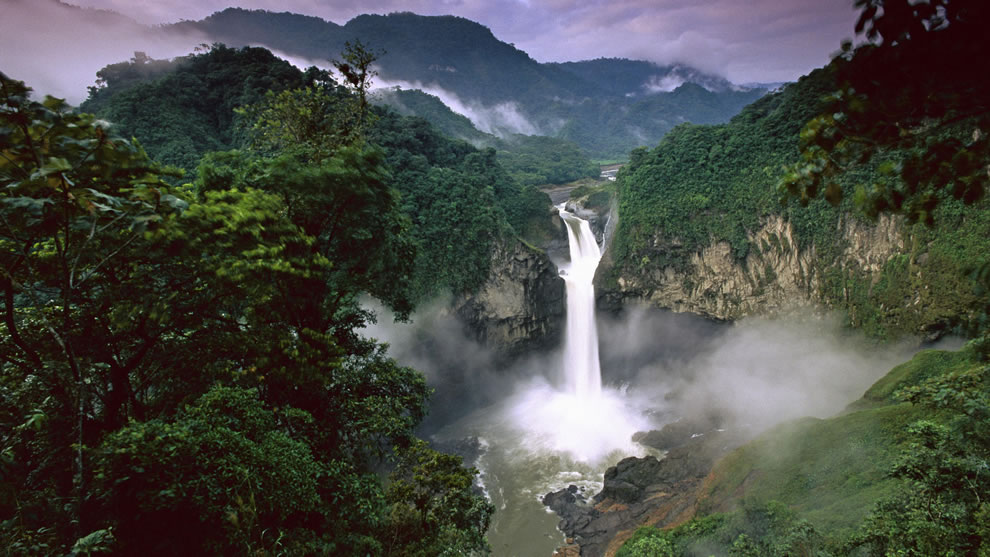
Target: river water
point(559, 428)
point(564, 417)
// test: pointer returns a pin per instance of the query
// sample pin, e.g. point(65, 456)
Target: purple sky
point(743, 40)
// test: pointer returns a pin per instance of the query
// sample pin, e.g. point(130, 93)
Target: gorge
point(251, 307)
point(674, 386)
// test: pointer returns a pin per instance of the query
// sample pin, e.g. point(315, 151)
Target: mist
point(665, 367)
point(754, 373)
point(57, 49)
point(501, 120)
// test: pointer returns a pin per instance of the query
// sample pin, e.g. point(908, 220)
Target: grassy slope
point(827, 474)
point(830, 471)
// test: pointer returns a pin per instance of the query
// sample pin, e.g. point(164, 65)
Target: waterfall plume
point(581, 367)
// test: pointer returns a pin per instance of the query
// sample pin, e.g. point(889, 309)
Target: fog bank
point(57, 49)
point(666, 366)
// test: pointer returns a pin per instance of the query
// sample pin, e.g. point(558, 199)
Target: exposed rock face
point(521, 305)
point(644, 491)
point(776, 276)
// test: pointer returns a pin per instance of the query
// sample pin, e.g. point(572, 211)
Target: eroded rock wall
point(521, 306)
point(777, 276)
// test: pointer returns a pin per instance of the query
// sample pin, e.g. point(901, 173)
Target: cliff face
point(776, 276)
point(521, 306)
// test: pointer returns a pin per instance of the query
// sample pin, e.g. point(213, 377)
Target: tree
point(433, 510)
point(222, 472)
point(911, 96)
point(191, 353)
point(943, 504)
point(313, 122)
point(357, 71)
point(75, 205)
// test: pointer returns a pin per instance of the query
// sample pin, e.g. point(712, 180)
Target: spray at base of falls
point(550, 434)
point(581, 420)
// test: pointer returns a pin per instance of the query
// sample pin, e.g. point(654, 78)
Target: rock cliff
point(521, 306)
point(777, 275)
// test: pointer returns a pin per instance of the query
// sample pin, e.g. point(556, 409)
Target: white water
point(581, 367)
point(546, 436)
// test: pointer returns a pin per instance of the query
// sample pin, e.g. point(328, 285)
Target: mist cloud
point(754, 41)
point(501, 119)
point(57, 50)
point(754, 373)
point(761, 372)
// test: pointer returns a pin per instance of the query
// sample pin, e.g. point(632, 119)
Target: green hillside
point(705, 184)
point(458, 198)
point(829, 487)
point(893, 127)
point(584, 102)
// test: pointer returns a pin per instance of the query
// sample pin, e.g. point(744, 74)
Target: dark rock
point(627, 480)
point(678, 433)
point(559, 501)
point(644, 490)
point(521, 307)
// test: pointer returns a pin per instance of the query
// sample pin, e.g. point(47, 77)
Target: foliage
point(941, 507)
point(75, 206)
point(768, 530)
point(457, 199)
point(309, 122)
point(185, 108)
point(460, 201)
point(433, 511)
point(537, 160)
point(647, 542)
point(357, 72)
point(345, 203)
point(708, 184)
point(880, 109)
point(221, 472)
point(135, 314)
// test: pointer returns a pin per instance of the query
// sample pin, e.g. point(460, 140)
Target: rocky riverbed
point(646, 490)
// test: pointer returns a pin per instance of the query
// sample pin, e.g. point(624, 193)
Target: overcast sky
point(743, 40)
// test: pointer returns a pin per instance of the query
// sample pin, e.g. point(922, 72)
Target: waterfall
point(582, 371)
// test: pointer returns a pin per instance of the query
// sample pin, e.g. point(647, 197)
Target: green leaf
point(54, 165)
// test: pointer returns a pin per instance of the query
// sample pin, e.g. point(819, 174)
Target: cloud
point(757, 40)
point(657, 367)
point(501, 119)
point(755, 372)
point(57, 49)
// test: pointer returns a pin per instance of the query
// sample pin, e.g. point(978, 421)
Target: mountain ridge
point(456, 58)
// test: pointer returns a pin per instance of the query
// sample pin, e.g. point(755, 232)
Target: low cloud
point(663, 84)
point(57, 49)
point(657, 367)
point(502, 119)
point(755, 372)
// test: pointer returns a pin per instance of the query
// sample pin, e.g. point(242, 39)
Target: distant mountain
point(413, 102)
point(623, 77)
point(450, 52)
point(607, 106)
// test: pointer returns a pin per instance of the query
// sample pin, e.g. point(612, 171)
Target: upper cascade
point(581, 367)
